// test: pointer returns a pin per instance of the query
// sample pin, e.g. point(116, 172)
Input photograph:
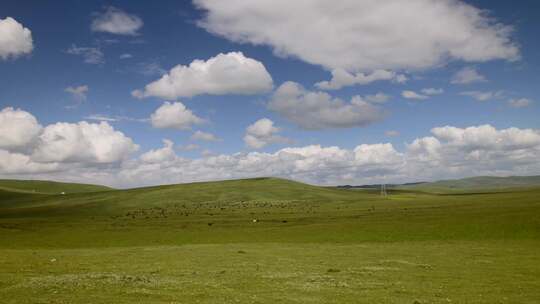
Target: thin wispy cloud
point(483, 95)
point(408, 94)
point(519, 102)
point(90, 55)
point(114, 118)
point(468, 75)
point(78, 92)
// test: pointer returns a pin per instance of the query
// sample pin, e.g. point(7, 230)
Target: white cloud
point(487, 137)
point(91, 55)
point(96, 153)
point(36, 148)
point(425, 150)
point(116, 21)
point(15, 39)
point(150, 68)
point(101, 117)
point(480, 150)
point(189, 147)
point(161, 155)
point(377, 98)
point(432, 91)
point(113, 118)
point(319, 110)
point(125, 56)
point(204, 136)
point(207, 153)
point(376, 155)
point(79, 92)
point(483, 96)
point(174, 115)
point(27, 148)
point(342, 78)
point(467, 75)
point(262, 133)
point(313, 164)
point(18, 163)
point(392, 133)
point(413, 95)
point(82, 142)
point(363, 35)
point(230, 73)
point(426, 93)
point(519, 103)
point(18, 129)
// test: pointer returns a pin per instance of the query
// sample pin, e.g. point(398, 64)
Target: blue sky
point(157, 38)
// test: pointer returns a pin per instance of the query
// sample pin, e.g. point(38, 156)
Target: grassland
point(48, 187)
point(477, 183)
point(268, 241)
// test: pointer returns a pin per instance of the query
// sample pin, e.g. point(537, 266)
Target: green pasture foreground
point(400, 272)
point(268, 241)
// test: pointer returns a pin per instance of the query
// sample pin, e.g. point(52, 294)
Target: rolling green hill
point(47, 187)
point(267, 240)
point(477, 183)
point(107, 201)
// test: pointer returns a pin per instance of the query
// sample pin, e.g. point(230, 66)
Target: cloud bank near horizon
point(98, 153)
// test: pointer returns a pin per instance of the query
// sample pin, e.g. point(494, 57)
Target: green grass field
point(267, 241)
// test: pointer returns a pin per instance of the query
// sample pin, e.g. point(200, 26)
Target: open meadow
point(267, 241)
point(270, 151)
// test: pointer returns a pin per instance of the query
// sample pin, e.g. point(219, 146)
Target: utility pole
point(383, 190)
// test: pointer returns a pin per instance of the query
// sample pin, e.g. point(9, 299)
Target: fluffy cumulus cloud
point(468, 75)
point(262, 133)
point(319, 110)
point(175, 116)
point(15, 39)
point(341, 78)
point(97, 153)
point(161, 155)
point(116, 21)
point(18, 163)
point(18, 129)
point(82, 142)
point(310, 163)
point(450, 152)
point(475, 151)
point(230, 73)
point(28, 148)
point(487, 137)
point(347, 34)
point(377, 156)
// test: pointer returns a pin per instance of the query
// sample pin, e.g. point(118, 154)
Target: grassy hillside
point(229, 194)
point(269, 241)
point(477, 183)
point(47, 187)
